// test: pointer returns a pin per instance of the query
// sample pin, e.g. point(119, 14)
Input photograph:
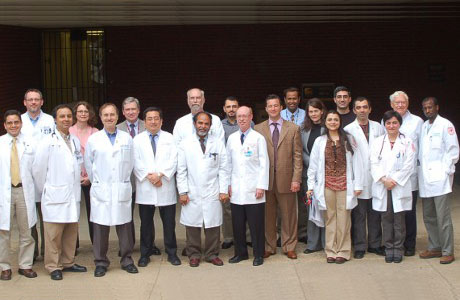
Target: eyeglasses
point(82, 112)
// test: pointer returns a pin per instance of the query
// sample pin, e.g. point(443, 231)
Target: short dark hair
point(61, 106)
point(195, 117)
point(231, 98)
point(12, 112)
point(434, 99)
point(153, 108)
point(390, 114)
point(271, 97)
point(291, 89)
point(107, 105)
point(341, 88)
point(360, 99)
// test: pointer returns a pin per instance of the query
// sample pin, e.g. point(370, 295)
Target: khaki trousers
point(287, 203)
point(338, 225)
point(60, 245)
point(18, 209)
point(211, 242)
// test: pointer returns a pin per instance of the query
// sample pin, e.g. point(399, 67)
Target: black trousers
point(85, 190)
point(254, 215)
point(361, 215)
point(168, 218)
point(411, 224)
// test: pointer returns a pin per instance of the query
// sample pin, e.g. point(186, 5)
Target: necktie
point(154, 145)
point(203, 147)
point(132, 131)
point(242, 138)
point(292, 118)
point(15, 177)
point(275, 139)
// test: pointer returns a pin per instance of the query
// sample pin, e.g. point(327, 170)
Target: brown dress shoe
point(340, 260)
point(267, 254)
point(216, 261)
point(6, 275)
point(194, 262)
point(29, 273)
point(430, 254)
point(291, 255)
point(446, 259)
point(330, 260)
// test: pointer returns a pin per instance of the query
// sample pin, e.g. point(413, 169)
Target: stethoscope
point(383, 143)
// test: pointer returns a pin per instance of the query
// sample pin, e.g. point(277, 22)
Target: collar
point(246, 132)
point(229, 123)
point(157, 134)
point(38, 116)
point(279, 122)
point(288, 112)
point(135, 123)
point(66, 137)
point(111, 134)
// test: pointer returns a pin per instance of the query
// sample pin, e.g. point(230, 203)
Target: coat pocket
point(57, 194)
point(124, 191)
point(99, 192)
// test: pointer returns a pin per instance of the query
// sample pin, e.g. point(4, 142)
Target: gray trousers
point(193, 242)
point(101, 244)
point(227, 229)
point(438, 223)
point(394, 229)
point(373, 237)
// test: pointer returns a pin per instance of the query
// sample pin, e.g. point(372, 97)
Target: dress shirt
point(112, 136)
point(34, 121)
point(279, 122)
point(299, 115)
point(136, 127)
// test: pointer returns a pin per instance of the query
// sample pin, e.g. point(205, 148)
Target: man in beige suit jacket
point(285, 177)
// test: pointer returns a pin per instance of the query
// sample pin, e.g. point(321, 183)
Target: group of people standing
point(266, 184)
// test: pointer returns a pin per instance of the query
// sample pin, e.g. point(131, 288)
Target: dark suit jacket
point(289, 162)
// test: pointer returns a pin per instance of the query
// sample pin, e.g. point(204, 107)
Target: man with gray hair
point(184, 125)
point(411, 127)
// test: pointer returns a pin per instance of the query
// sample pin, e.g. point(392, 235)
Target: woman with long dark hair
point(335, 179)
point(312, 127)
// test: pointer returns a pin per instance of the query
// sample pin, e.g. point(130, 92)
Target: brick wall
point(158, 64)
point(19, 65)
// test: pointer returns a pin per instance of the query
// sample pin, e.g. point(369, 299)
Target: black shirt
point(348, 118)
point(315, 132)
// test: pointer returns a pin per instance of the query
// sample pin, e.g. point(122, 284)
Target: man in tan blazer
point(285, 151)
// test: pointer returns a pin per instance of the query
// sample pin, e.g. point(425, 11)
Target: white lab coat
point(26, 148)
point(316, 172)
point(411, 127)
point(248, 166)
point(56, 171)
point(184, 127)
point(355, 130)
point(44, 126)
point(397, 164)
point(202, 177)
point(145, 162)
point(109, 168)
point(438, 155)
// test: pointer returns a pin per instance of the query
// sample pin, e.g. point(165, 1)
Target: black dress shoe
point(143, 261)
point(303, 239)
point(258, 261)
point(308, 251)
point(236, 259)
point(75, 268)
point(397, 259)
point(379, 251)
point(184, 252)
point(389, 259)
point(249, 244)
point(155, 251)
point(226, 245)
point(409, 252)
point(56, 275)
point(100, 271)
point(131, 268)
point(359, 254)
point(174, 260)
point(278, 242)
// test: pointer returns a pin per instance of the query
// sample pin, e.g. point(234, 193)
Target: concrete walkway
point(308, 277)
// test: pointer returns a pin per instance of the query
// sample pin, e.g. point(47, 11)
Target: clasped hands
point(155, 179)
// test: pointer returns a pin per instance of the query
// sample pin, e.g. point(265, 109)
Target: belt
point(17, 186)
